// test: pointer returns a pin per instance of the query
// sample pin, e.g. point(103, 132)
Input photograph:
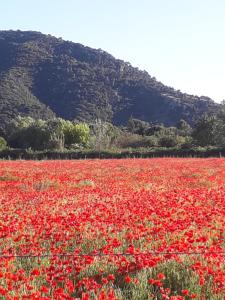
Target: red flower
point(2, 291)
point(127, 279)
point(161, 276)
point(151, 281)
point(185, 292)
point(111, 277)
point(35, 272)
point(85, 296)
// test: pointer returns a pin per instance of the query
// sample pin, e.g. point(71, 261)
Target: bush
point(103, 135)
point(3, 144)
point(188, 143)
point(40, 135)
point(129, 140)
point(148, 142)
point(168, 141)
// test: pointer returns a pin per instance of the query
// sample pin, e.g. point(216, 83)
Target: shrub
point(168, 141)
point(3, 143)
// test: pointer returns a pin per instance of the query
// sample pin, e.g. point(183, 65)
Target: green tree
point(157, 130)
point(168, 141)
point(53, 134)
point(37, 136)
point(204, 131)
point(16, 131)
point(28, 133)
point(103, 135)
point(76, 133)
point(18, 123)
point(184, 128)
point(137, 126)
point(56, 138)
point(3, 143)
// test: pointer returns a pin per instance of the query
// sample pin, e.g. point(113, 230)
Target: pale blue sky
point(180, 42)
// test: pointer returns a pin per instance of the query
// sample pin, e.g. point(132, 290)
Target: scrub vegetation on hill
point(45, 77)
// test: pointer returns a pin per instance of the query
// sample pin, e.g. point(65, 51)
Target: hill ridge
point(73, 81)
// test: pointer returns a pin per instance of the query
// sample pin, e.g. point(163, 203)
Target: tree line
point(60, 134)
point(28, 133)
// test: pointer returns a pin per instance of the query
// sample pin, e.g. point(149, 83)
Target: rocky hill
point(43, 76)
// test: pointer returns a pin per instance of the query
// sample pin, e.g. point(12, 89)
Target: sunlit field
point(112, 229)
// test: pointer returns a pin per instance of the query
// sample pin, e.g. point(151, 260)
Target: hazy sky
point(180, 42)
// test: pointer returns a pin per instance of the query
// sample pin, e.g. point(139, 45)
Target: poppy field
point(112, 229)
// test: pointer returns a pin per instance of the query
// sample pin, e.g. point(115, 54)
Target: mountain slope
point(44, 76)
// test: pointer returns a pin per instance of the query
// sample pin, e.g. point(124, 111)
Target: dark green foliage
point(133, 141)
point(204, 131)
point(56, 134)
point(25, 133)
point(219, 132)
point(184, 128)
point(138, 126)
point(16, 98)
point(42, 76)
point(168, 141)
point(142, 153)
point(210, 130)
point(157, 130)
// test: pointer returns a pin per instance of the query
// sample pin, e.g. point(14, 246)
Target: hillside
point(44, 76)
